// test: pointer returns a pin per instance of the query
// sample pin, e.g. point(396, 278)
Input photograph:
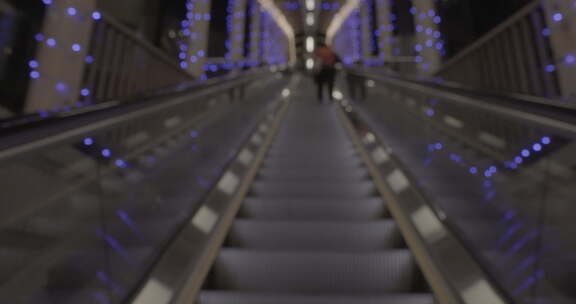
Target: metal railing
point(513, 57)
point(107, 193)
point(120, 64)
point(503, 176)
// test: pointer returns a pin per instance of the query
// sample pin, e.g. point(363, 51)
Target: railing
point(120, 64)
point(89, 202)
point(503, 177)
point(514, 57)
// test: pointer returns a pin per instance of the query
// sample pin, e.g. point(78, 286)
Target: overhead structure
point(280, 18)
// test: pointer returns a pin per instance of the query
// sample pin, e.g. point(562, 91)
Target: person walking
point(326, 75)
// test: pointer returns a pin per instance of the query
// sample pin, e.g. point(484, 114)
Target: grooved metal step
point(312, 229)
point(226, 297)
point(310, 175)
point(360, 189)
point(313, 209)
point(317, 235)
point(315, 272)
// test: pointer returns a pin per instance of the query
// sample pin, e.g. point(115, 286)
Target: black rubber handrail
point(504, 103)
point(23, 133)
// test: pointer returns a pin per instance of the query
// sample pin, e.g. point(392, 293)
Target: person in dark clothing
point(326, 75)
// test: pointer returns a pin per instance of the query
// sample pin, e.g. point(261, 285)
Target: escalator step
point(322, 236)
point(224, 297)
point(289, 189)
point(310, 175)
point(311, 166)
point(315, 272)
point(313, 209)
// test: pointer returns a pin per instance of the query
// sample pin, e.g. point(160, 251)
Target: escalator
point(313, 229)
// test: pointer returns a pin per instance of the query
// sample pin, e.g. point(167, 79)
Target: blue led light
point(89, 59)
point(34, 74)
point(76, 47)
point(438, 146)
point(71, 11)
point(557, 17)
point(569, 59)
point(85, 92)
point(96, 15)
point(537, 147)
point(120, 163)
point(61, 87)
point(106, 153)
point(550, 68)
point(39, 37)
point(518, 160)
point(47, 2)
point(525, 153)
point(546, 32)
point(546, 140)
point(88, 141)
point(473, 170)
point(33, 64)
point(51, 42)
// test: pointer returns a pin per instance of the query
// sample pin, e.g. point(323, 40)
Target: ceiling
point(294, 11)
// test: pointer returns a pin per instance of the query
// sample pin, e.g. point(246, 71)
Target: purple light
point(61, 87)
point(33, 64)
point(537, 147)
point(546, 140)
point(438, 146)
point(473, 170)
point(546, 32)
point(88, 141)
point(550, 68)
point(120, 163)
point(96, 15)
point(570, 59)
point(194, 134)
point(51, 42)
point(85, 92)
point(184, 65)
point(34, 74)
point(72, 11)
point(89, 59)
point(430, 112)
point(518, 160)
point(39, 37)
point(47, 2)
point(106, 153)
point(76, 47)
point(525, 153)
point(557, 17)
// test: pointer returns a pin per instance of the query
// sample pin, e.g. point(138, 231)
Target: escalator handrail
point(538, 111)
point(65, 127)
